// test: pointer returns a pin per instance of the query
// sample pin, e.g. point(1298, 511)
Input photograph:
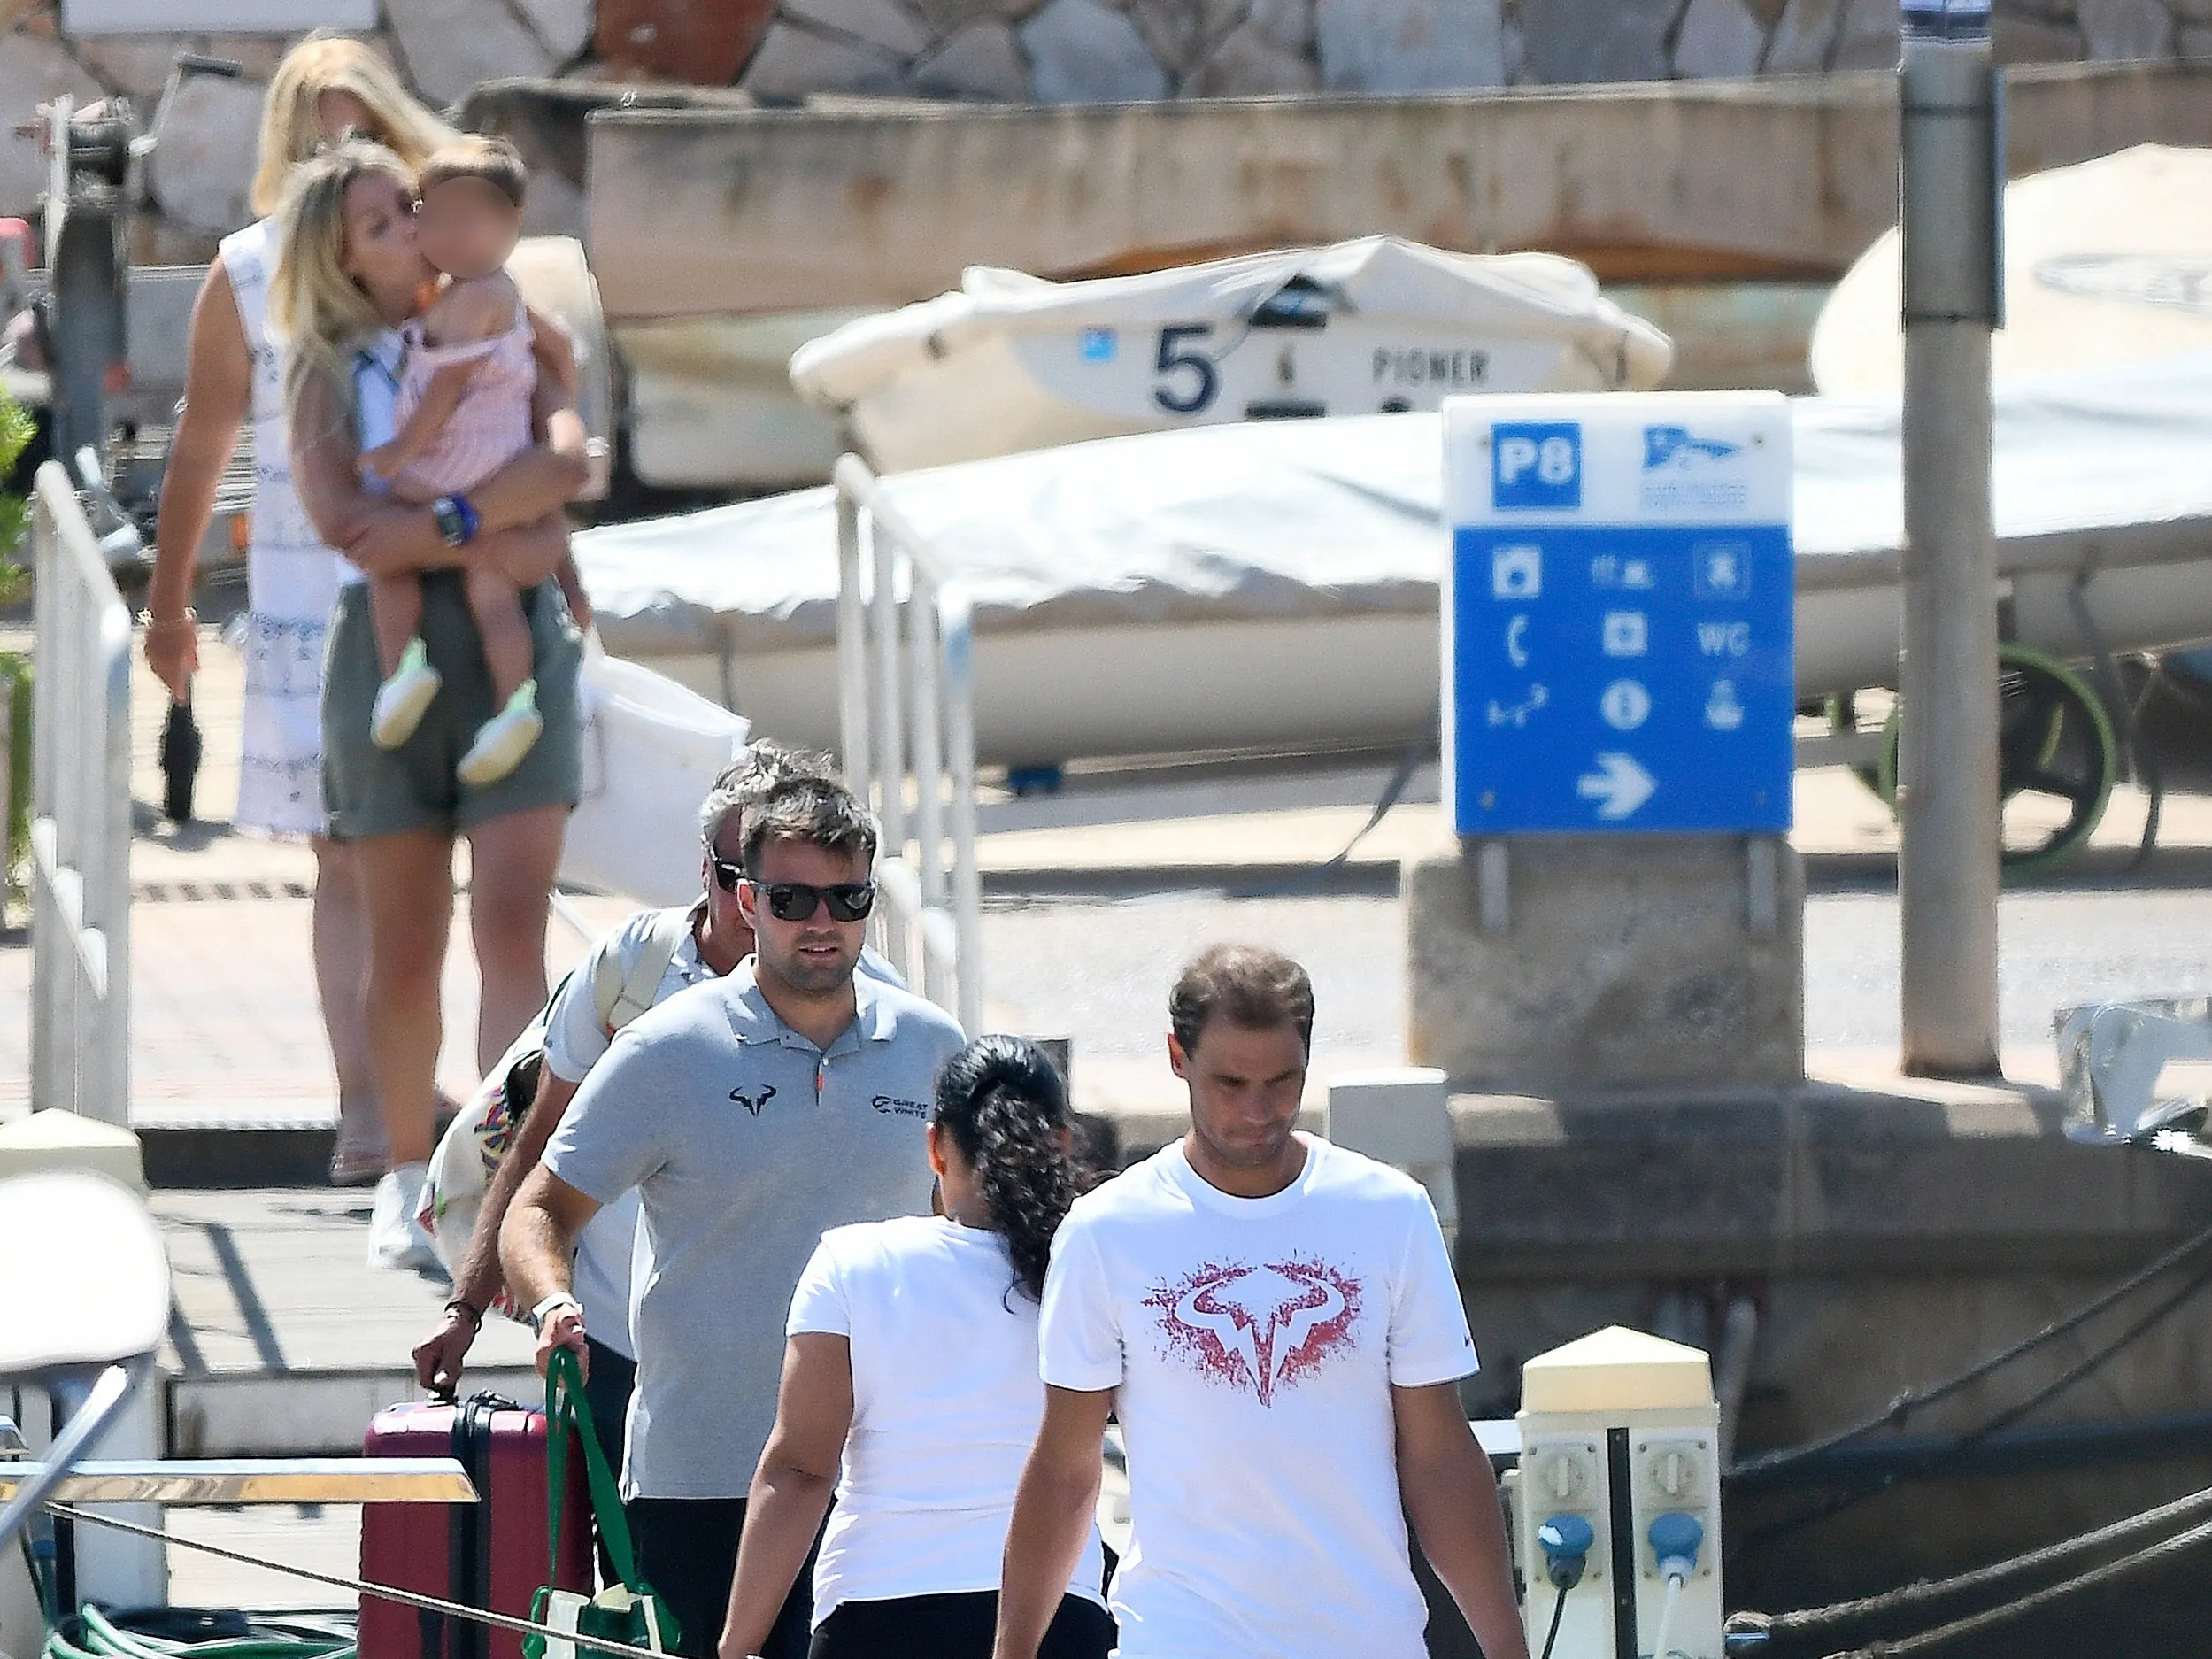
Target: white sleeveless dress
point(291, 582)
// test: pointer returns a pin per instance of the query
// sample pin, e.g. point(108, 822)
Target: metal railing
point(80, 828)
point(906, 707)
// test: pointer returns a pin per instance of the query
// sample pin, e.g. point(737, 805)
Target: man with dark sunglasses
point(750, 1113)
point(647, 959)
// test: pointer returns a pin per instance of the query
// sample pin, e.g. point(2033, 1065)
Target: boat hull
point(1054, 694)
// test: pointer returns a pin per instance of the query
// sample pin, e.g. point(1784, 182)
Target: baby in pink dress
point(464, 412)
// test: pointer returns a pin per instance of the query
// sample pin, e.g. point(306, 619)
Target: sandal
point(359, 1159)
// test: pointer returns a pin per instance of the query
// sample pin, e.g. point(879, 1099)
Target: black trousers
point(687, 1551)
point(953, 1627)
point(608, 1381)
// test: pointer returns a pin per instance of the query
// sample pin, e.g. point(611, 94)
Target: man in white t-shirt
point(1275, 1321)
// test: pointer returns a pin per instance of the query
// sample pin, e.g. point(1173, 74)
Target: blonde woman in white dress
point(325, 86)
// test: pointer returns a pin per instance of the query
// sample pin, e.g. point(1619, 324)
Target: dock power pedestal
point(1618, 1517)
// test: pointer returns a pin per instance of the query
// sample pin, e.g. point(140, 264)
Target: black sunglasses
point(727, 873)
point(795, 901)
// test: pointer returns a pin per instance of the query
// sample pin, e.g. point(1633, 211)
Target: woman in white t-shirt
point(911, 1366)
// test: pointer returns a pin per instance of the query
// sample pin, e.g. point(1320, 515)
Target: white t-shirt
point(1253, 1343)
point(376, 362)
point(946, 1406)
point(576, 1037)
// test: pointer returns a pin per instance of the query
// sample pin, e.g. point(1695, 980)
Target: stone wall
point(1047, 51)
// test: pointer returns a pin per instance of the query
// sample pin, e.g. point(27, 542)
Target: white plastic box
point(652, 750)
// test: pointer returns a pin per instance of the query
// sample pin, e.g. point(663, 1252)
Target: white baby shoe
point(505, 739)
point(403, 700)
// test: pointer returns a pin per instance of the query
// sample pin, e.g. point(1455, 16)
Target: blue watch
point(457, 520)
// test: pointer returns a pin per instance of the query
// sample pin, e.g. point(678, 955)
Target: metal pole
point(1950, 173)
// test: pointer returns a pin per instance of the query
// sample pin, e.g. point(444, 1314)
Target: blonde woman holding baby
point(352, 275)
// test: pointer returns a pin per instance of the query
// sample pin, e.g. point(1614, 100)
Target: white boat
point(1275, 584)
point(2105, 263)
point(1014, 362)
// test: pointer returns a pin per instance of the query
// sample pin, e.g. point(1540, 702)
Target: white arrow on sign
point(1619, 784)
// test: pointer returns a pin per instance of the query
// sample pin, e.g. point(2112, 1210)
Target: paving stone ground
point(224, 1015)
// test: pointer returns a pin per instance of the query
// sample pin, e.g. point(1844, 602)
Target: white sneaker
point(398, 1239)
point(403, 700)
point(504, 740)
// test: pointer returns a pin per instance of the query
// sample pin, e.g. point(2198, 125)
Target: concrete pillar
point(1655, 962)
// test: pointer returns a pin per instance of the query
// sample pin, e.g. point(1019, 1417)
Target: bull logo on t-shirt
point(1262, 1327)
point(752, 1103)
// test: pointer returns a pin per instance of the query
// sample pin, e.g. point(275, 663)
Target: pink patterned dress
point(491, 424)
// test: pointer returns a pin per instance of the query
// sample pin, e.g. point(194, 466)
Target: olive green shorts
point(370, 791)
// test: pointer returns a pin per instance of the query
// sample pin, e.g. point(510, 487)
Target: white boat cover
point(1013, 362)
point(2106, 262)
point(1337, 517)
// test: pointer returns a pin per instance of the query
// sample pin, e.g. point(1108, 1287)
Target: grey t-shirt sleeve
point(615, 1131)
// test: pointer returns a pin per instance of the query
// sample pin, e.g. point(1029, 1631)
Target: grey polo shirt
point(745, 1143)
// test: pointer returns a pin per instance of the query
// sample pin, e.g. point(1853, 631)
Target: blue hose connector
point(1676, 1538)
point(1565, 1540)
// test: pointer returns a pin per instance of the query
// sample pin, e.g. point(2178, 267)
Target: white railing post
point(109, 897)
point(81, 816)
point(921, 670)
point(955, 619)
point(906, 649)
point(852, 648)
point(890, 765)
point(53, 974)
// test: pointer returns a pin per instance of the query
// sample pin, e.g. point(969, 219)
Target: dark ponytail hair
point(1002, 1103)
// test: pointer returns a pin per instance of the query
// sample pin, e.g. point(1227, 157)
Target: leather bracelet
point(476, 1314)
point(154, 624)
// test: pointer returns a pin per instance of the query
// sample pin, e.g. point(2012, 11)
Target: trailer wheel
point(2057, 759)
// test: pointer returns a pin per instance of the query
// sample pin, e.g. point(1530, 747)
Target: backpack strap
point(620, 997)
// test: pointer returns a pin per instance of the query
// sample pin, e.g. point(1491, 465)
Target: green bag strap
point(563, 1413)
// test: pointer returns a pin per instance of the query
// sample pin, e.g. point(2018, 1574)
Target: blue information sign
point(1619, 652)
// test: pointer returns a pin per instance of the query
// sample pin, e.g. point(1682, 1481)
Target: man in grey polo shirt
point(750, 1112)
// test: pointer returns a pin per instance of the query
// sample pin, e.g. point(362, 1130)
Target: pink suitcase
point(491, 1554)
